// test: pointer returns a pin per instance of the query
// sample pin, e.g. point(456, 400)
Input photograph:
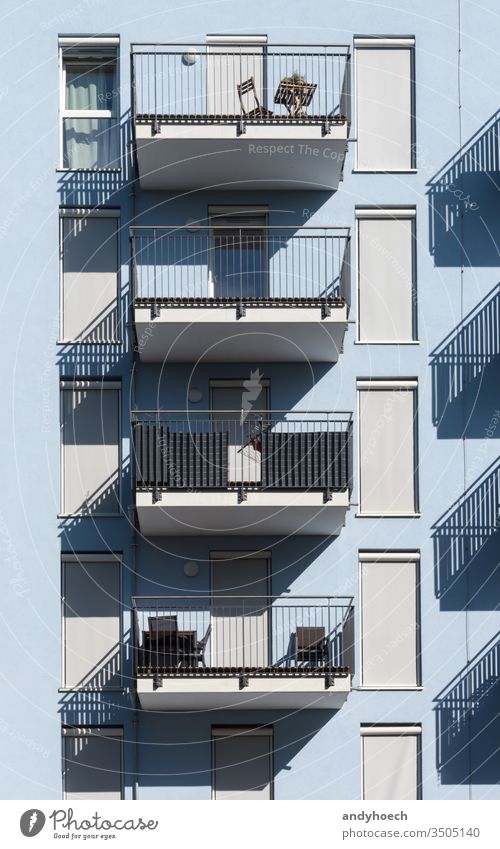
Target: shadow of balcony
point(466, 547)
point(465, 374)
point(464, 224)
point(468, 722)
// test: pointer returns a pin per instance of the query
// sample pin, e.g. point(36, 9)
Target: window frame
point(91, 46)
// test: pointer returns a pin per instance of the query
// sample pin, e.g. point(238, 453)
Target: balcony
point(230, 115)
point(206, 652)
point(242, 472)
point(223, 293)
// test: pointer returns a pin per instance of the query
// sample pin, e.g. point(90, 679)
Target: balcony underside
point(277, 156)
point(260, 692)
point(216, 333)
point(206, 513)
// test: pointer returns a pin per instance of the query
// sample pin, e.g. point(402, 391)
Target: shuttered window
point(389, 620)
point(91, 621)
point(92, 763)
point(89, 265)
point(387, 447)
point(90, 424)
point(386, 286)
point(384, 104)
point(390, 762)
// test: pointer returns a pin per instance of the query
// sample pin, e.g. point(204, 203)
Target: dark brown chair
point(311, 646)
point(259, 111)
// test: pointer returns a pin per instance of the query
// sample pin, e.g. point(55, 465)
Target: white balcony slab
point(215, 334)
point(205, 513)
point(260, 694)
point(203, 156)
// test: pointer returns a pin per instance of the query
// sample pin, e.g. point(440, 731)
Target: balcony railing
point(198, 83)
point(213, 636)
point(244, 449)
point(220, 264)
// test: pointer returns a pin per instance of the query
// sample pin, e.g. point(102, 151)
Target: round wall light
point(195, 395)
point(191, 569)
point(190, 56)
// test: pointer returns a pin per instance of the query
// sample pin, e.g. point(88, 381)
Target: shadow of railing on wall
point(468, 722)
point(465, 374)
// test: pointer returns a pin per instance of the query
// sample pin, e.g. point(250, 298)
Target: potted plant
point(294, 79)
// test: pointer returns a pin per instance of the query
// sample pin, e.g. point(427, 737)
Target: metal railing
point(244, 449)
point(199, 83)
point(217, 635)
point(233, 263)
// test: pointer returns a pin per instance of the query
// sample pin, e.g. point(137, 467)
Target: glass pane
point(90, 85)
point(91, 143)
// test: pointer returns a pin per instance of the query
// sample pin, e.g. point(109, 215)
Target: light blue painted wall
point(317, 755)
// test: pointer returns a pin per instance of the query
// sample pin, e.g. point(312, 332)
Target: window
point(389, 620)
point(388, 447)
point(89, 272)
point(390, 762)
point(239, 260)
point(236, 408)
point(92, 763)
point(89, 103)
point(384, 104)
point(242, 763)
point(386, 287)
point(90, 426)
point(91, 621)
point(231, 59)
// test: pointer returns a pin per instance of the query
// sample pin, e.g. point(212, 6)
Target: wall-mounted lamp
point(191, 569)
point(195, 395)
point(190, 56)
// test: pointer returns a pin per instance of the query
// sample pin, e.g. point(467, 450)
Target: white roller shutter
point(390, 766)
point(91, 619)
point(385, 275)
point(90, 447)
point(384, 106)
point(93, 765)
point(89, 278)
point(389, 623)
point(387, 451)
point(242, 765)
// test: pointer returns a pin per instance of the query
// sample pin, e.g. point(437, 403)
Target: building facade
point(250, 452)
